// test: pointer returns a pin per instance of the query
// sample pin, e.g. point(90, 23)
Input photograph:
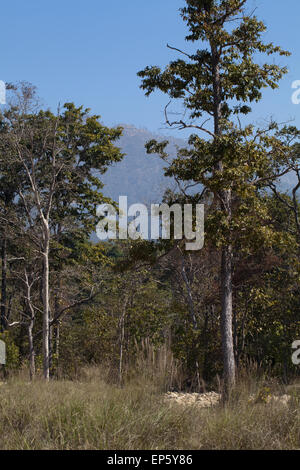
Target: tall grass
point(92, 414)
point(156, 365)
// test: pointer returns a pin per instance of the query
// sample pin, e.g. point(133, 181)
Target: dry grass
point(91, 414)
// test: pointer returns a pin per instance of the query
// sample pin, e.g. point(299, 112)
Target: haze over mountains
point(140, 176)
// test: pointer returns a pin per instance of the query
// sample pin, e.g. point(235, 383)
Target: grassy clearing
point(92, 414)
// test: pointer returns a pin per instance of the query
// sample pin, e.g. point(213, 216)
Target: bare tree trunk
point(235, 339)
point(46, 356)
point(226, 320)
point(3, 284)
point(122, 337)
point(206, 343)
point(31, 314)
point(50, 344)
point(31, 352)
point(57, 338)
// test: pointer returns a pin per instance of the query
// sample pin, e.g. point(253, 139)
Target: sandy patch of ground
point(203, 400)
point(206, 400)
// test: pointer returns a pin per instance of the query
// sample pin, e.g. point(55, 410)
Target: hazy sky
point(89, 52)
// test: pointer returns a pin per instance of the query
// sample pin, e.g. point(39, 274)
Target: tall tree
point(60, 156)
point(216, 83)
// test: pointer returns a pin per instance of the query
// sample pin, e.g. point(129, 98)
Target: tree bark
point(57, 339)
point(46, 355)
point(50, 344)
point(31, 314)
point(56, 327)
point(226, 320)
point(4, 284)
point(121, 340)
point(31, 352)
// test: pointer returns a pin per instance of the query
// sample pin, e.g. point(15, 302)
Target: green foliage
point(230, 48)
point(216, 82)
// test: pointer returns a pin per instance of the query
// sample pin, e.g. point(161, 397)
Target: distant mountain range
point(140, 176)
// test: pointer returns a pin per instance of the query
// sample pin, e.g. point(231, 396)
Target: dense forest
point(201, 317)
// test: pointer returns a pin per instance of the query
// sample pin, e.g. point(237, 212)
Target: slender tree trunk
point(226, 320)
point(4, 284)
point(46, 355)
point(31, 314)
point(206, 343)
point(122, 337)
point(235, 340)
point(31, 352)
point(57, 338)
point(56, 327)
point(50, 344)
point(122, 334)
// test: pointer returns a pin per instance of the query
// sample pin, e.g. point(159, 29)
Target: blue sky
point(89, 52)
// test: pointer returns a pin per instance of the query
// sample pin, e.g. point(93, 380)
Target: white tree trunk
point(31, 352)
